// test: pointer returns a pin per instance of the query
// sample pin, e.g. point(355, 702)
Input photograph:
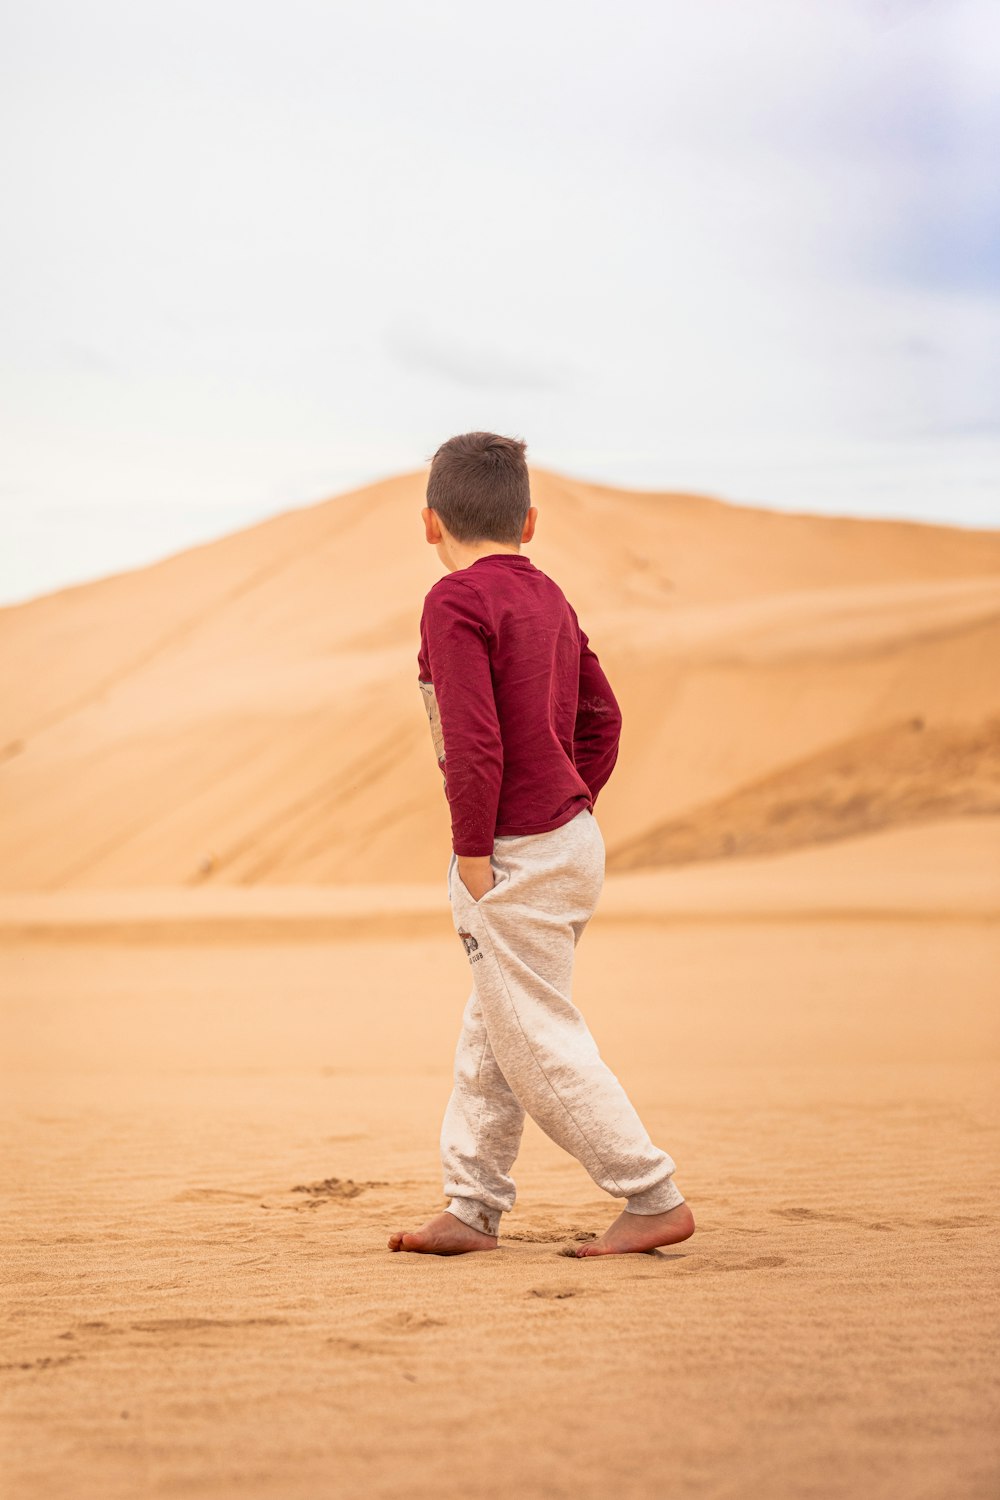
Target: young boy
point(526, 728)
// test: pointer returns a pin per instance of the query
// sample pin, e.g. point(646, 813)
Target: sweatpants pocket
point(500, 878)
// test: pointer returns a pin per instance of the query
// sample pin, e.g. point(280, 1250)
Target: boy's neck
point(456, 555)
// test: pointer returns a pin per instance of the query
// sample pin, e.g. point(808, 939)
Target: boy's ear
point(529, 524)
point(432, 526)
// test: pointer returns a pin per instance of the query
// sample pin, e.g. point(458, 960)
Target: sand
point(211, 1141)
point(231, 992)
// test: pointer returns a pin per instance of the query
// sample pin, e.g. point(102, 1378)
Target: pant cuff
point(656, 1200)
point(476, 1214)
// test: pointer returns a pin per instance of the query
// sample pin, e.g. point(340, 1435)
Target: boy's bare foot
point(632, 1234)
point(443, 1235)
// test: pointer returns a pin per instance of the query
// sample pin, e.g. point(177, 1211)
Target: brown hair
point(479, 487)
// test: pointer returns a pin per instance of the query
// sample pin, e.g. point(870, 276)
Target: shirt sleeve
point(456, 644)
point(598, 722)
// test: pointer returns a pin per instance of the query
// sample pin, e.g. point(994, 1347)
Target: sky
point(254, 255)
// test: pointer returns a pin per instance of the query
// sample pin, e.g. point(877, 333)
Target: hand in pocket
point(477, 882)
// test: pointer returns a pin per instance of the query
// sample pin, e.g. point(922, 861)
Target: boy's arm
point(598, 722)
point(457, 653)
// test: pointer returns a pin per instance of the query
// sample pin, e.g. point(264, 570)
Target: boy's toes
point(412, 1240)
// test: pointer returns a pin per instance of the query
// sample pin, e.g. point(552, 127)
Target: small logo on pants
point(470, 945)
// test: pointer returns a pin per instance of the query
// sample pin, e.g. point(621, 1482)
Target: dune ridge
point(910, 772)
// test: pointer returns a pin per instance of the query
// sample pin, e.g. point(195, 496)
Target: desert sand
point(231, 992)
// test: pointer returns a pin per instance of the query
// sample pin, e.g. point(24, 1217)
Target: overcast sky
point(255, 254)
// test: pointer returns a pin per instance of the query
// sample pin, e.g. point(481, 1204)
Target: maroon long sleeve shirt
point(523, 720)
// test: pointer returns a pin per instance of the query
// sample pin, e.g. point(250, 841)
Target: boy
point(526, 728)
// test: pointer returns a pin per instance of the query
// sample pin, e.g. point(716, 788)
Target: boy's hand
point(476, 874)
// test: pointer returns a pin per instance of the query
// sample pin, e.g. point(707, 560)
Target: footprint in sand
point(333, 1187)
point(410, 1322)
point(196, 1325)
point(47, 1362)
point(312, 1195)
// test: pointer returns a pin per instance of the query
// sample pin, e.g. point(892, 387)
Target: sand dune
point(246, 712)
point(230, 992)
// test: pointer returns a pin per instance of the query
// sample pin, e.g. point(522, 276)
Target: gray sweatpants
point(525, 1047)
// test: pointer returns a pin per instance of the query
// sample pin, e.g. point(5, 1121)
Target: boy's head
point(478, 487)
